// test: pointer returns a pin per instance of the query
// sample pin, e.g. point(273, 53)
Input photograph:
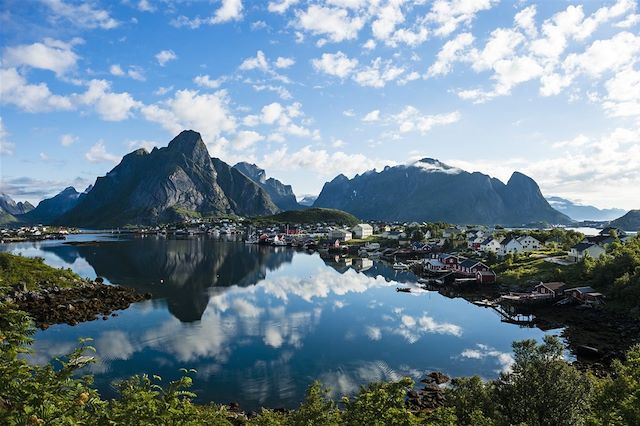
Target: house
point(490, 245)
point(450, 232)
point(362, 231)
point(553, 289)
point(610, 229)
point(529, 243)
point(601, 240)
point(339, 234)
point(394, 235)
point(580, 250)
point(586, 295)
point(510, 245)
point(485, 277)
point(470, 267)
point(450, 261)
point(435, 265)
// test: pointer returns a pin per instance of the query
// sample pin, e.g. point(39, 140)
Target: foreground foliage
point(33, 272)
point(540, 389)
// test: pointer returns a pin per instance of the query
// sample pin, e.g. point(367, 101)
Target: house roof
point(468, 263)
point(600, 239)
point(582, 290)
point(580, 247)
point(552, 286)
point(508, 240)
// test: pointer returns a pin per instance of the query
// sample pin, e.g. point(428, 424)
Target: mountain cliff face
point(8, 205)
point(282, 195)
point(583, 212)
point(429, 190)
point(52, 208)
point(165, 185)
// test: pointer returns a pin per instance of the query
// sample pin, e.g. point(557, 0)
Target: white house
point(394, 235)
point(580, 250)
point(490, 245)
point(339, 234)
point(362, 230)
point(529, 243)
point(510, 246)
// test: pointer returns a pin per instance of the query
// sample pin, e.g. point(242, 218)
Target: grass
point(309, 216)
point(526, 269)
point(33, 272)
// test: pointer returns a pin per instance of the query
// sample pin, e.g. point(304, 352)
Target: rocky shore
point(87, 301)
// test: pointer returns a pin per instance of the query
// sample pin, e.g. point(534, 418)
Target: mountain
point(282, 195)
point(168, 184)
point(583, 212)
point(8, 205)
point(628, 222)
point(308, 200)
point(429, 190)
point(51, 208)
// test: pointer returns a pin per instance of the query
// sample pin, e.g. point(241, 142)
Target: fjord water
point(260, 323)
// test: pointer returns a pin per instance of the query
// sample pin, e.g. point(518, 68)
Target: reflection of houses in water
point(362, 264)
point(183, 272)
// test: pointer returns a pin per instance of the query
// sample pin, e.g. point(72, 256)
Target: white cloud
point(372, 116)
point(280, 6)
point(54, 55)
point(334, 23)
point(68, 139)
point(141, 143)
point(109, 105)
point(623, 94)
point(448, 15)
point(98, 153)
point(231, 10)
point(257, 62)
point(337, 64)
point(246, 139)
point(17, 91)
point(605, 55)
point(145, 6)
point(526, 20)
point(116, 69)
point(83, 15)
point(188, 109)
point(165, 56)
point(504, 359)
point(206, 81)
point(410, 119)
point(282, 62)
point(378, 73)
point(6, 147)
point(452, 51)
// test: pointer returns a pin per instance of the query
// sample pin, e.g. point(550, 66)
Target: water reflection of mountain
point(370, 268)
point(180, 271)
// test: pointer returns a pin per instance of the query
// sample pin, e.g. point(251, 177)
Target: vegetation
point(559, 237)
point(540, 389)
point(6, 218)
point(33, 272)
point(522, 269)
point(617, 274)
point(310, 216)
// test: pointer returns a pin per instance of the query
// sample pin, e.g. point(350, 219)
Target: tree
point(542, 389)
point(379, 404)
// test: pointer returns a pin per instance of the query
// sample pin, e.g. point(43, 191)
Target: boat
point(403, 289)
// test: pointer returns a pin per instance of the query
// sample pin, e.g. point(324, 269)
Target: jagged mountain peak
point(433, 165)
point(282, 195)
point(187, 141)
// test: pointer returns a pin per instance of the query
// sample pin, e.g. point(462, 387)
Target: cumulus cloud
point(229, 10)
point(282, 62)
point(332, 22)
point(208, 82)
point(109, 105)
point(165, 56)
point(189, 109)
point(68, 139)
point(53, 55)
point(410, 119)
point(337, 64)
point(372, 115)
point(448, 15)
point(15, 90)
point(98, 153)
point(451, 52)
point(378, 73)
point(83, 15)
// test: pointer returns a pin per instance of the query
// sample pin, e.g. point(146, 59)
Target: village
point(34, 233)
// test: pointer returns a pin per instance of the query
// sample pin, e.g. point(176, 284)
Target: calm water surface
point(259, 324)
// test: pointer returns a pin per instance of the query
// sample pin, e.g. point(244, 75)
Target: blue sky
point(308, 90)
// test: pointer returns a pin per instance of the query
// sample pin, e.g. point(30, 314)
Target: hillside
point(310, 216)
point(628, 222)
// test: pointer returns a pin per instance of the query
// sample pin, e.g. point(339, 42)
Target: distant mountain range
point(282, 195)
point(581, 212)
point(182, 181)
point(429, 190)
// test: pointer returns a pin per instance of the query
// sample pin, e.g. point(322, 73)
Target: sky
point(309, 90)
